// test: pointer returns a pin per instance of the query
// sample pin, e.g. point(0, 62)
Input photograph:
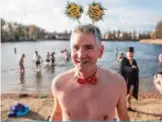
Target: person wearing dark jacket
point(129, 70)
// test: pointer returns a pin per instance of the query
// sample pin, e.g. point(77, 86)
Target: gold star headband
point(95, 11)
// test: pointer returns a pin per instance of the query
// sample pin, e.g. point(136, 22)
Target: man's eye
point(89, 47)
point(75, 47)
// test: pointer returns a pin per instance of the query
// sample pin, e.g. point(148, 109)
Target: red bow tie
point(90, 80)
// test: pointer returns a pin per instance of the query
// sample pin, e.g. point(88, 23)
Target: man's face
point(130, 55)
point(158, 82)
point(85, 51)
point(160, 58)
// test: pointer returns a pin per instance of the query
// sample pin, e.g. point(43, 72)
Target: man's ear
point(101, 51)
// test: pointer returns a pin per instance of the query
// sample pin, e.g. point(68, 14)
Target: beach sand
point(152, 41)
point(149, 106)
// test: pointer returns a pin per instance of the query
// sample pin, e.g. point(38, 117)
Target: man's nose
point(81, 53)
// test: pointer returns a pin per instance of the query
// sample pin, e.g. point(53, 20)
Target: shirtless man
point(21, 63)
point(158, 76)
point(96, 97)
point(160, 59)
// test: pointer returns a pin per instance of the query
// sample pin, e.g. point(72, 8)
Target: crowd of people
point(37, 59)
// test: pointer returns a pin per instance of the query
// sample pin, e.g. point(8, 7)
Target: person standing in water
point(48, 57)
point(15, 50)
point(38, 61)
point(66, 54)
point(35, 55)
point(116, 53)
point(21, 63)
point(52, 59)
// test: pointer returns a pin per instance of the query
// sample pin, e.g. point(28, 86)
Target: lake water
point(12, 82)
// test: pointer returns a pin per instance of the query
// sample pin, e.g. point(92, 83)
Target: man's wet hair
point(88, 28)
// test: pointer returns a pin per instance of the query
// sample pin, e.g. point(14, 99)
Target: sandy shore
point(152, 41)
point(148, 107)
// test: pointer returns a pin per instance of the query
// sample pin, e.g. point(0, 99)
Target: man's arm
point(122, 105)
point(56, 112)
point(124, 67)
point(158, 82)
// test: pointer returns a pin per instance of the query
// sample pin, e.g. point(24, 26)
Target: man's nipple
point(105, 117)
point(68, 113)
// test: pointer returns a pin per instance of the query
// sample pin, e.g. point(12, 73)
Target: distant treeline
point(13, 32)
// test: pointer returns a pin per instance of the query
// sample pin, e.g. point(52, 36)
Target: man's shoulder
point(63, 76)
point(111, 73)
point(113, 76)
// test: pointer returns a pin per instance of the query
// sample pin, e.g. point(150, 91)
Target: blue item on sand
point(18, 110)
point(23, 113)
point(12, 114)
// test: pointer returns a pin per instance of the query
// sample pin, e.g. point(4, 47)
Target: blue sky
point(128, 15)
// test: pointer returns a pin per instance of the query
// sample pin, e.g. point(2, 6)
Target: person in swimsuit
point(48, 57)
point(38, 61)
point(15, 50)
point(21, 63)
point(88, 92)
point(52, 58)
point(35, 55)
point(158, 76)
point(66, 54)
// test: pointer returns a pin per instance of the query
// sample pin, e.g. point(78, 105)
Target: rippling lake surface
point(146, 56)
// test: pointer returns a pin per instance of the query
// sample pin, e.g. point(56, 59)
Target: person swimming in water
point(21, 63)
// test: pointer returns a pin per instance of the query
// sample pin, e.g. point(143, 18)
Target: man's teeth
point(82, 62)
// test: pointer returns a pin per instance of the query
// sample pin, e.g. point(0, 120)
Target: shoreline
point(106, 40)
point(142, 95)
point(148, 107)
point(152, 41)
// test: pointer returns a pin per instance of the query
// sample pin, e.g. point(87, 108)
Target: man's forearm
point(55, 116)
point(124, 118)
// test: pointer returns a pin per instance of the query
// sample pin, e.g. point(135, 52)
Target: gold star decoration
point(73, 10)
point(96, 11)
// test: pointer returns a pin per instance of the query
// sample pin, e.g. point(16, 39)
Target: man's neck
point(87, 73)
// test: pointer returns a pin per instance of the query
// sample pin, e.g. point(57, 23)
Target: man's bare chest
point(88, 101)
